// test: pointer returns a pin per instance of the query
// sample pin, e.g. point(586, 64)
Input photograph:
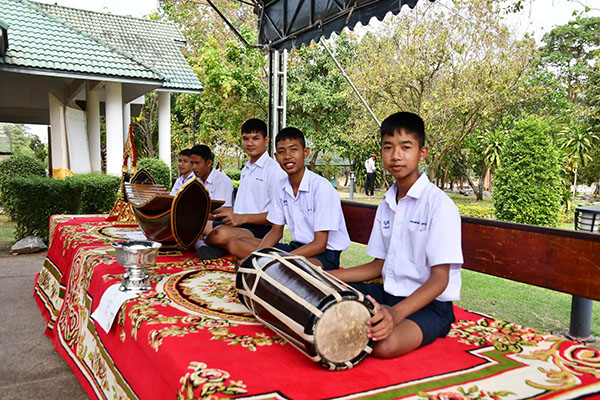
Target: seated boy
point(416, 243)
point(307, 204)
point(219, 185)
point(249, 213)
point(184, 166)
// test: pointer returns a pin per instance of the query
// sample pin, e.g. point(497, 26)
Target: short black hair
point(203, 151)
point(185, 152)
point(290, 133)
point(404, 121)
point(255, 125)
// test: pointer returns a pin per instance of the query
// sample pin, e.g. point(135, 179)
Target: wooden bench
point(557, 259)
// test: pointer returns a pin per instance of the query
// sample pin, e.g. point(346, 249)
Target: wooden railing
point(557, 259)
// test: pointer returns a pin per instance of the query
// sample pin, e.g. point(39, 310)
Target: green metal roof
point(39, 41)
point(153, 43)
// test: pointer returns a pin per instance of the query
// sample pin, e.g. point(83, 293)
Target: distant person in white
point(370, 183)
point(184, 166)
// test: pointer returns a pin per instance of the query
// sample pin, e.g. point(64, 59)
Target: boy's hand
point(226, 215)
point(381, 324)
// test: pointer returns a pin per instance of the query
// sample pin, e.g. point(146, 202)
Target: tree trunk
point(486, 182)
point(313, 161)
point(575, 181)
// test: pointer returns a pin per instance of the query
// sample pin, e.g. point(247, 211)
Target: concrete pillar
point(114, 128)
point(126, 120)
point(164, 127)
point(93, 128)
point(58, 138)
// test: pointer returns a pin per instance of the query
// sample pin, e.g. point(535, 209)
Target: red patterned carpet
point(190, 338)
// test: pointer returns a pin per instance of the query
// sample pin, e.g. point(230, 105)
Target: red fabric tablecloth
point(189, 337)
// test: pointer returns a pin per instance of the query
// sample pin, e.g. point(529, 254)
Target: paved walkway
point(29, 366)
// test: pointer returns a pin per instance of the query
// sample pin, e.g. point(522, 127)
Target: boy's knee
point(217, 237)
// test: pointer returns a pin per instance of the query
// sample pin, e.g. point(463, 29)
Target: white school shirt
point(316, 207)
point(370, 165)
point(180, 182)
point(219, 187)
point(422, 230)
point(257, 184)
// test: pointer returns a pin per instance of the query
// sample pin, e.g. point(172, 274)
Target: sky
point(537, 17)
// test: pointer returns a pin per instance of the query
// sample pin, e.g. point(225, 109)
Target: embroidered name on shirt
point(259, 179)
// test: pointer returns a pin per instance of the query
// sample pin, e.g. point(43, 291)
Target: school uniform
point(315, 208)
point(420, 231)
point(219, 186)
point(257, 183)
point(179, 182)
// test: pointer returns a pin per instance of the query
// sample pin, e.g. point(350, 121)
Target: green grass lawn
point(7, 232)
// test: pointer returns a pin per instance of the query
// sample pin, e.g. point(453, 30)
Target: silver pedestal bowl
point(135, 256)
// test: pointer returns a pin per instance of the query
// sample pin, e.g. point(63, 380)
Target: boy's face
point(201, 167)
point(184, 165)
point(401, 155)
point(290, 155)
point(254, 144)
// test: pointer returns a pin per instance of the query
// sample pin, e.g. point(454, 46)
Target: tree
point(578, 141)
point(571, 50)
point(458, 70)
point(527, 187)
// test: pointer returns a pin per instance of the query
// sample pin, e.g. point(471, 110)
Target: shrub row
point(476, 211)
point(19, 165)
point(30, 201)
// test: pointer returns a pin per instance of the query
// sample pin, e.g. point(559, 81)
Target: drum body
point(321, 316)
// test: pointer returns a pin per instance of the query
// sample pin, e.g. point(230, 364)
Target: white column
point(114, 128)
point(126, 120)
point(164, 127)
point(58, 137)
point(92, 101)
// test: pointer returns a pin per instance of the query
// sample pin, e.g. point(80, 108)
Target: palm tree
point(492, 143)
point(577, 142)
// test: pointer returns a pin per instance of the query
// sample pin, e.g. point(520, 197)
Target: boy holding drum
point(307, 204)
point(416, 245)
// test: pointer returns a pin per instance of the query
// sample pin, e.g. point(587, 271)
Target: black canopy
point(284, 24)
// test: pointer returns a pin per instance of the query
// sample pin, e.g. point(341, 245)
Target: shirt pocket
point(417, 243)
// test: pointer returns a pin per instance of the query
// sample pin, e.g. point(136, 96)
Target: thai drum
point(318, 314)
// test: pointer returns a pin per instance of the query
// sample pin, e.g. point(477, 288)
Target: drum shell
point(268, 291)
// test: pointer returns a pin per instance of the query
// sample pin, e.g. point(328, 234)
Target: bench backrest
point(558, 259)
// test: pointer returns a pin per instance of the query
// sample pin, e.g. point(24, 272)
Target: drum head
point(341, 333)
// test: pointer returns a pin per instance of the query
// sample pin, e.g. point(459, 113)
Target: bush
point(19, 165)
point(527, 183)
point(158, 169)
point(476, 211)
point(32, 200)
point(98, 192)
point(233, 174)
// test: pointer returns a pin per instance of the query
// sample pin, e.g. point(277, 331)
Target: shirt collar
point(415, 191)
point(260, 162)
point(304, 184)
point(210, 176)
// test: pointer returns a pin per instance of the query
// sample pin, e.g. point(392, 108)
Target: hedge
point(158, 169)
point(32, 200)
point(234, 174)
point(19, 165)
point(476, 211)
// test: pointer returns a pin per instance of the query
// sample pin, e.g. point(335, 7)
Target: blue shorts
point(259, 231)
point(435, 319)
point(329, 258)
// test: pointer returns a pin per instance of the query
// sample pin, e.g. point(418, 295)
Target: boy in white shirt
point(219, 185)
point(307, 204)
point(184, 166)
point(248, 217)
point(416, 245)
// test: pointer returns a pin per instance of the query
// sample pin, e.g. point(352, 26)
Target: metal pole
point(351, 185)
point(350, 82)
point(270, 107)
point(580, 328)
